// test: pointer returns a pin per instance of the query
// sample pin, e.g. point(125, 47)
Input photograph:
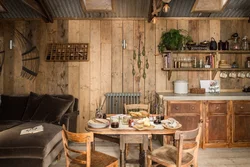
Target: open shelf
point(214, 70)
point(208, 51)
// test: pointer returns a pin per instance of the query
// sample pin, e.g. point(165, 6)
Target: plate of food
point(171, 123)
point(143, 124)
point(139, 114)
point(98, 123)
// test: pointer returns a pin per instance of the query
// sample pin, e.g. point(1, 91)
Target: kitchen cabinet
point(217, 124)
point(188, 113)
point(214, 70)
point(240, 123)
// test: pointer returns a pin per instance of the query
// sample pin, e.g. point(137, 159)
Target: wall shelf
point(65, 52)
point(214, 70)
point(208, 51)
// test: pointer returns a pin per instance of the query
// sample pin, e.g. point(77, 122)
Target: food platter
point(98, 123)
point(168, 127)
point(141, 127)
point(171, 123)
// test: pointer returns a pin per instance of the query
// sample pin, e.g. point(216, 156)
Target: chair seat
point(98, 159)
point(167, 154)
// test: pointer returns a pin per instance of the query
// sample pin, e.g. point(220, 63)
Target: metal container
point(180, 87)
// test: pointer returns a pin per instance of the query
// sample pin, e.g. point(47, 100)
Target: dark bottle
point(220, 45)
point(226, 45)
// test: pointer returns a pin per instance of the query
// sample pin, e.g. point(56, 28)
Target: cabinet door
point(188, 113)
point(217, 124)
point(241, 122)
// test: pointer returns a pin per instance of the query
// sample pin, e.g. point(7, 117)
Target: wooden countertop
point(206, 96)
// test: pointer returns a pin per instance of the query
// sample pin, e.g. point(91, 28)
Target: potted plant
point(173, 39)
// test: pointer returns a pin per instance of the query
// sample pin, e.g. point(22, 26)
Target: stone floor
point(209, 157)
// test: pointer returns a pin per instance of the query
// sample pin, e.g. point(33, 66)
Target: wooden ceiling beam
point(41, 8)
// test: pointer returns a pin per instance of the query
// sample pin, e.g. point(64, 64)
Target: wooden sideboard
point(225, 122)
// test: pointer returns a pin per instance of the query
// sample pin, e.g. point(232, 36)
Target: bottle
point(245, 43)
point(220, 43)
point(247, 63)
point(226, 45)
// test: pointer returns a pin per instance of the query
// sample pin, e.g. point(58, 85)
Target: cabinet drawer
point(241, 107)
point(217, 107)
point(184, 107)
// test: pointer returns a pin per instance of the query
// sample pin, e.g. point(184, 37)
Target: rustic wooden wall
point(110, 66)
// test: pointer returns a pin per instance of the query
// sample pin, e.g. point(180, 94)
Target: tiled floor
point(210, 157)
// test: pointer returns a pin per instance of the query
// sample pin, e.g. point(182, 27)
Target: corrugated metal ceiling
point(71, 9)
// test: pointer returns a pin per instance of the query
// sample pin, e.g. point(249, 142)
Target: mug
point(241, 75)
point(223, 75)
point(232, 75)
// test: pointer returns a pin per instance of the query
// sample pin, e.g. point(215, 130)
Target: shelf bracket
point(214, 74)
point(169, 74)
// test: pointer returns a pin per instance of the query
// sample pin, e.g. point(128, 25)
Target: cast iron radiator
point(115, 101)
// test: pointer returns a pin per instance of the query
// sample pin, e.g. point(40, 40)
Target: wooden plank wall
point(110, 66)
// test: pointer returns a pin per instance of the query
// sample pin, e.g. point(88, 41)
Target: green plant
point(173, 39)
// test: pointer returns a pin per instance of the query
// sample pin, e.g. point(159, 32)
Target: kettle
point(213, 44)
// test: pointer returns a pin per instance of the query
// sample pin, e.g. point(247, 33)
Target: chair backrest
point(145, 107)
point(77, 138)
point(193, 140)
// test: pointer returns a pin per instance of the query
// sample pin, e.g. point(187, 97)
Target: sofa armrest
point(70, 121)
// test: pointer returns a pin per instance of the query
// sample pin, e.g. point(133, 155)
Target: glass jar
point(98, 113)
point(247, 63)
point(235, 44)
point(244, 44)
point(114, 120)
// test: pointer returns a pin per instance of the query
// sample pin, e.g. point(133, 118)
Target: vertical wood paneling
point(95, 67)
point(106, 42)
point(215, 32)
point(245, 32)
point(204, 29)
point(139, 30)
point(172, 24)
point(8, 87)
point(41, 80)
point(20, 83)
point(128, 81)
point(51, 68)
point(150, 56)
point(161, 76)
point(1, 49)
point(183, 25)
point(116, 60)
point(84, 79)
point(109, 68)
point(193, 28)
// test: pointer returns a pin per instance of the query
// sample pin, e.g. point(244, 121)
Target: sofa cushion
point(51, 109)
point(13, 107)
point(37, 145)
point(32, 105)
point(7, 124)
point(68, 97)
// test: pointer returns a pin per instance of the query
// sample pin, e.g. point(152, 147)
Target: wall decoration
point(30, 56)
point(67, 52)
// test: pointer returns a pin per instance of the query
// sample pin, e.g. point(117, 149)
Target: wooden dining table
point(132, 135)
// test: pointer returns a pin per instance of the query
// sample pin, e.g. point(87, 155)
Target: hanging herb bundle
point(138, 67)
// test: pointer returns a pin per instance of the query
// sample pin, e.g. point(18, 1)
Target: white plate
point(98, 123)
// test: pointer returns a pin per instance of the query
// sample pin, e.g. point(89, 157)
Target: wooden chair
point(139, 107)
point(86, 157)
point(183, 155)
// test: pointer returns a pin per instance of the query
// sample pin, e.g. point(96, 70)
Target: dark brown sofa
point(21, 112)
